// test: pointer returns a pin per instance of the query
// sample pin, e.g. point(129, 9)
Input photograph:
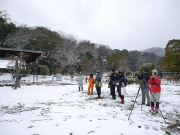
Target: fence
point(170, 77)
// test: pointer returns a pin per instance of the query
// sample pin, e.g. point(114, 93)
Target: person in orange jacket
point(91, 84)
point(155, 90)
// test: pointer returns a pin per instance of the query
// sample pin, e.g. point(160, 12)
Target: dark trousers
point(98, 89)
point(113, 91)
point(145, 94)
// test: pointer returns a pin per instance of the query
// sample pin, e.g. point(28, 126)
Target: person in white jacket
point(80, 81)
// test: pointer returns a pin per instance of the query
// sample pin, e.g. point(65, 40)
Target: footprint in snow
point(155, 128)
point(147, 127)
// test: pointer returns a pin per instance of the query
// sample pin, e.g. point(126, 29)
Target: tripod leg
point(134, 103)
point(159, 109)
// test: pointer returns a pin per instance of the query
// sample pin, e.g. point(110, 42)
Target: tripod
point(141, 105)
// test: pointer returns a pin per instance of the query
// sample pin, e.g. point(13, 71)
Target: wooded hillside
point(69, 53)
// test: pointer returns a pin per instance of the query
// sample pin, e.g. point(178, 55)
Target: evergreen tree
point(148, 66)
point(6, 27)
point(117, 60)
point(171, 62)
point(47, 41)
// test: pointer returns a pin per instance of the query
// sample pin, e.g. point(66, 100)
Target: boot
point(98, 96)
point(157, 104)
point(122, 99)
point(152, 109)
point(79, 88)
point(152, 104)
point(156, 109)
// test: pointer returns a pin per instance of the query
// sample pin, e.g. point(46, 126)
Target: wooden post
point(21, 60)
point(36, 71)
point(17, 73)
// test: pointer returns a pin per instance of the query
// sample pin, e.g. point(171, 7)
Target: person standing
point(13, 79)
point(97, 81)
point(113, 81)
point(121, 83)
point(80, 81)
point(91, 84)
point(144, 77)
point(20, 77)
point(155, 90)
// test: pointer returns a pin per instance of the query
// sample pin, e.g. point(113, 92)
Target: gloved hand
point(154, 84)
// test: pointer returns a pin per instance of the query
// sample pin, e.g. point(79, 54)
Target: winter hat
point(97, 71)
point(145, 69)
point(155, 71)
point(121, 72)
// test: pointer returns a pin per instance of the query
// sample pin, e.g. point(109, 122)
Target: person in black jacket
point(144, 77)
point(113, 81)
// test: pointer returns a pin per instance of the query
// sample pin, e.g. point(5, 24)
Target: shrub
point(58, 71)
point(44, 70)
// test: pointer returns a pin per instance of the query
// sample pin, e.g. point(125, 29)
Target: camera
point(140, 74)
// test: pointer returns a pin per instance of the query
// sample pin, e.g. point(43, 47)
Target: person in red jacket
point(155, 90)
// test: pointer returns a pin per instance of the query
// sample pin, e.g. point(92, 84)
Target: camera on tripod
point(140, 74)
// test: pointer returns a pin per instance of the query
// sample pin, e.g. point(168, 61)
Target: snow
point(5, 63)
point(62, 110)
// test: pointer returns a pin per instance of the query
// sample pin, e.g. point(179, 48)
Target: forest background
point(68, 55)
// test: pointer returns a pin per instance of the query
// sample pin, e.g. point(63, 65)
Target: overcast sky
point(121, 24)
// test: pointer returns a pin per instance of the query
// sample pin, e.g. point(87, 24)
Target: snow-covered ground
point(62, 110)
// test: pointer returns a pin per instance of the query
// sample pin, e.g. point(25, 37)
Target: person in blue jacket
point(121, 83)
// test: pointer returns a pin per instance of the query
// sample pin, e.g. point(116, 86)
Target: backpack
point(114, 79)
